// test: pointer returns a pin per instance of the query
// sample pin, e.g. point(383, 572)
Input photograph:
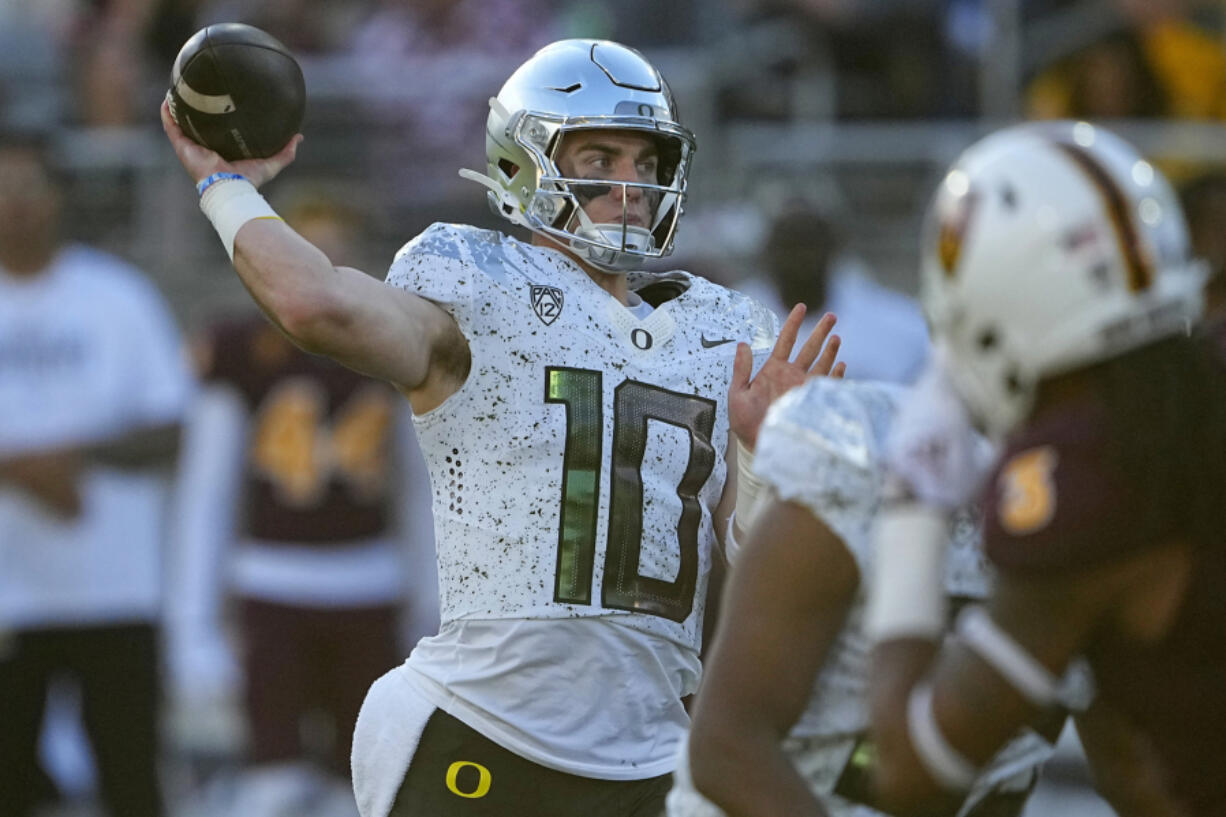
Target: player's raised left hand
point(750, 395)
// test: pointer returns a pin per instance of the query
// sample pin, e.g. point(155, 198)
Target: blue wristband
point(206, 183)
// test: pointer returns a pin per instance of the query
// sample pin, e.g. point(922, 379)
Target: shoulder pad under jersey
point(821, 443)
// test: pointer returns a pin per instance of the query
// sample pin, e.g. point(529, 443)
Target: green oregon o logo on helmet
point(583, 85)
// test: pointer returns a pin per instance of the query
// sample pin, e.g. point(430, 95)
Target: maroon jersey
point(316, 466)
point(1058, 504)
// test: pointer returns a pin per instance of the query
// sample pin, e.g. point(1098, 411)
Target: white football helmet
point(582, 85)
point(1049, 246)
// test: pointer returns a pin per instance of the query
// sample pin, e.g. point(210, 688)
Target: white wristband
point(997, 648)
point(1014, 663)
point(906, 596)
point(945, 764)
point(230, 204)
point(748, 489)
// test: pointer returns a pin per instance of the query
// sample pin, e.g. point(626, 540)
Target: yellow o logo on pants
point(484, 779)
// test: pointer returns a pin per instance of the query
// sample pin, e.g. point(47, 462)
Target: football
point(237, 90)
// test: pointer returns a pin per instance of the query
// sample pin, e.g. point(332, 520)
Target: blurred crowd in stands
point(398, 87)
point(101, 62)
point(397, 102)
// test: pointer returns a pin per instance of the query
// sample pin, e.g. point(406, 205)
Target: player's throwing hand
point(201, 162)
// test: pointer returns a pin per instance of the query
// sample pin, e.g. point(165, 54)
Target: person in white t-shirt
point(577, 416)
point(93, 383)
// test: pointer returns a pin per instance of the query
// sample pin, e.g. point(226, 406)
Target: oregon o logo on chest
point(484, 779)
point(641, 338)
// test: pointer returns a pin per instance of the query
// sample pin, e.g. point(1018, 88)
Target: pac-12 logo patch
point(546, 303)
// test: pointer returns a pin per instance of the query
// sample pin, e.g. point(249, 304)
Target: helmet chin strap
point(605, 257)
point(624, 236)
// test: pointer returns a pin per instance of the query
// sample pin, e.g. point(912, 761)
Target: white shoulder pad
point(448, 263)
point(934, 449)
point(461, 242)
point(821, 444)
point(729, 311)
point(741, 310)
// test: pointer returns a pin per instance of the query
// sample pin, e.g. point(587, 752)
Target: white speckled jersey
point(575, 471)
point(822, 445)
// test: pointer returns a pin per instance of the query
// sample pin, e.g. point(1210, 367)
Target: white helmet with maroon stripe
point(1047, 247)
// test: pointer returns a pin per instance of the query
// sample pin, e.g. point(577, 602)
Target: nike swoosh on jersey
point(707, 344)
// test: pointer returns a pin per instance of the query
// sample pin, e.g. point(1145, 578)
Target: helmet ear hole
point(508, 168)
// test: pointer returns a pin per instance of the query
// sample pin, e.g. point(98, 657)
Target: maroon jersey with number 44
point(320, 442)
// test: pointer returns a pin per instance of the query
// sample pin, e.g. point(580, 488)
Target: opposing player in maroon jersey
point(1064, 307)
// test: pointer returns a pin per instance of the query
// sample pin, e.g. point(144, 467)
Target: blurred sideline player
point(93, 386)
point(803, 259)
point(781, 721)
point(575, 415)
point(292, 489)
point(1059, 286)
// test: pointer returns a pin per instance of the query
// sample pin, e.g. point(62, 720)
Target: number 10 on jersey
point(634, 403)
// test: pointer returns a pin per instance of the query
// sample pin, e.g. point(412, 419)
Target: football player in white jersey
point(575, 416)
point(781, 720)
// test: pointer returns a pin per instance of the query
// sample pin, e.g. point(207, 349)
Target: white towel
point(385, 738)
